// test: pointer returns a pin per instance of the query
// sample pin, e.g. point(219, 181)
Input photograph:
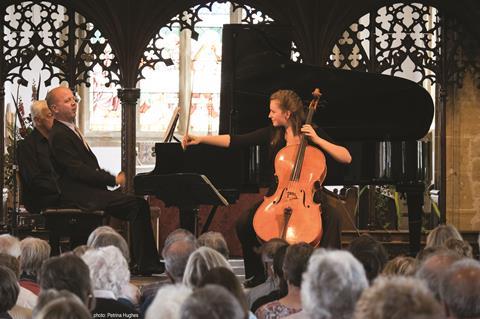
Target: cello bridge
point(292, 196)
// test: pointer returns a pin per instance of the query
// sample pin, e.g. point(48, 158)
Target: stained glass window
point(103, 106)
point(160, 88)
point(206, 56)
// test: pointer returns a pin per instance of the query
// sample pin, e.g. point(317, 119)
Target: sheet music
point(220, 196)
point(171, 125)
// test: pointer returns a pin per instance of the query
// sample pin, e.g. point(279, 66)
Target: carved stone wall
point(463, 155)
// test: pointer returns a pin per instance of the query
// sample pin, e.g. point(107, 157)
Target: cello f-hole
point(280, 198)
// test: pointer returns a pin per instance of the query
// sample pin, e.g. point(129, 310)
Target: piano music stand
point(187, 191)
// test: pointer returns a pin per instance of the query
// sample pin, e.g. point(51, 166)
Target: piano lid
point(357, 105)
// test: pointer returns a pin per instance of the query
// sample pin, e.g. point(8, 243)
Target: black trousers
point(331, 238)
point(137, 211)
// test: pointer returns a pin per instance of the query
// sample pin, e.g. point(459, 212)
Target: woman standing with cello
point(288, 116)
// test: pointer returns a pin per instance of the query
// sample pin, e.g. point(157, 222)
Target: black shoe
point(253, 282)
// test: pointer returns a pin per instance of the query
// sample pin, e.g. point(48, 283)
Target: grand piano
point(379, 118)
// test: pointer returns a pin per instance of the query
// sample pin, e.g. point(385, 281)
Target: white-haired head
point(332, 284)
point(10, 245)
point(168, 301)
point(99, 230)
point(42, 116)
point(108, 269)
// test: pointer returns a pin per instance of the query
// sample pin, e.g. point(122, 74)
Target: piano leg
point(415, 211)
point(189, 218)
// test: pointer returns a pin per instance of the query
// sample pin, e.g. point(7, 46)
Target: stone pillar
point(463, 155)
point(128, 97)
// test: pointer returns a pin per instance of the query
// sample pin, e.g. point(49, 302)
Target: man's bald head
point(434, 268)
point(460, 287)
point(176, 256)
point(62, 103)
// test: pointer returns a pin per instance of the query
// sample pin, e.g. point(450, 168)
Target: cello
point(290, 213)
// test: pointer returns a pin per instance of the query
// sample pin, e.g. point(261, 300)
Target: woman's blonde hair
point(200, 261)
point(34, 251)
point(400, 266)
point(440, 234)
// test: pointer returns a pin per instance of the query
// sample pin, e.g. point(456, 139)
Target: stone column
point(128, 97)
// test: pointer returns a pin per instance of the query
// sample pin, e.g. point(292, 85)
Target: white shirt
point(26, 298)
point(70, 125)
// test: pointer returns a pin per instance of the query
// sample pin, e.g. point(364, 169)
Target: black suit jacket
point(82, 181)
point(39, 180)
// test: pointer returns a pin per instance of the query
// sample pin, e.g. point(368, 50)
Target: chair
point(72, 223)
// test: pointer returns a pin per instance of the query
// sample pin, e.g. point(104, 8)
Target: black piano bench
point(72, 223)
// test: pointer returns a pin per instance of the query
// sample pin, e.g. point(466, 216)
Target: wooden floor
point(237, 266)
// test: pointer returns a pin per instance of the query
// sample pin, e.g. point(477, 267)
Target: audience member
point(461, 247)
point(226, 278)
point(48, 295)
point(64, 308)
point(10, 245)
point(168, 302)
point(400, 266)
point(434, 267)
point(178, 234)
point(200, 261)
point(424, 253)
point(178, 247)
point(34, 252)
point(294, 264)
point(282, 290)
point(26, 298)
point(216, 241)
point(68, 272)
point(99, 230)
point(459, 290)
point(11, 263)
point(9, 291)
point(213, 302)
point(440, 234)
point(268, 251)
point(397, 297)
point(109, 274)
point(370, 253)
point(111, 238)
point(478, 242)
point(332, 284)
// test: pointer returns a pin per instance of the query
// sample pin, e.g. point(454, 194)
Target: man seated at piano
point(39, 180)
point(84, 184)
point(287, 115)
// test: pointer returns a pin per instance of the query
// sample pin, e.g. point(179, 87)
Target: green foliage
point(384, 194)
